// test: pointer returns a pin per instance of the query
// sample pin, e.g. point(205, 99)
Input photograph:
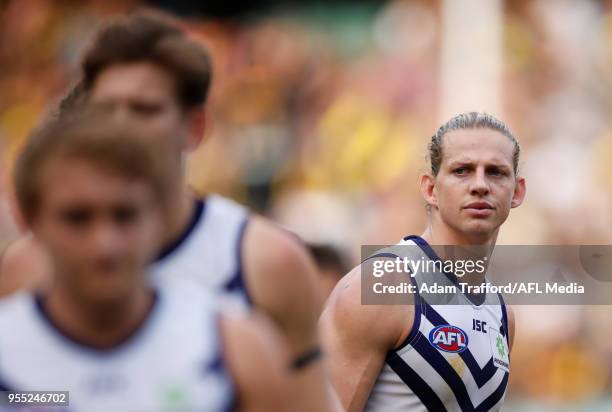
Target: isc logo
point(448, 338)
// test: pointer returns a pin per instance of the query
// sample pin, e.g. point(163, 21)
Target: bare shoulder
point(272, 253)
point(256, 359)
point(384, 326)
point(24, 265)
point(282, 280)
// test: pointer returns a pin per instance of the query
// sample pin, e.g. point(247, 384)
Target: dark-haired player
point(426, 355)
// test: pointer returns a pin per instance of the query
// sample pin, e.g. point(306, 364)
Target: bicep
point(354, 366)
point(257, 362)
point(357, 339)
point(282, 281)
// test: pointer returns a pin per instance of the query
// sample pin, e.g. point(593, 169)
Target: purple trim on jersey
point(481, 375)
point(145, 324)
point(237, 283)
point(4, 387)
point(444, 369)
point(475, 299)
point(219, 365)
point(417, 385)
point(198, 214)
point(506, 331)
point(448, 373)
point(416, 323)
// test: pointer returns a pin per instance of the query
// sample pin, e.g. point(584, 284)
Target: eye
point(76, 217)
point(460, 171)
point(495, 171)
point(146, 109)
point(124, 215)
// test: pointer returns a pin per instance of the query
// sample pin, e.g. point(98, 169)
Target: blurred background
point(320, 117)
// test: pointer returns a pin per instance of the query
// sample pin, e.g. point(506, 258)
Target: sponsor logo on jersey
point(448, 338)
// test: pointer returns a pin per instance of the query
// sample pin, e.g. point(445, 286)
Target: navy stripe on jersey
point(416, 323)
point(424, 390)
point(495, 397)
point(445, 370)
point(198, 213)
point(220, 367)
point(506, 331)
point(382, 254)
point(237, 283)
point(454, 381)
point(418, 386)
point(215, 365)
point(4, 387)
point(481, 375)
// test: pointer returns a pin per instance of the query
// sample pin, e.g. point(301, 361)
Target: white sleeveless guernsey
point(172, 362)
point(209, 253)
point(456, 355)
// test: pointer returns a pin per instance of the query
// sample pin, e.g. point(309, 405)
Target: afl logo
point(448, 338)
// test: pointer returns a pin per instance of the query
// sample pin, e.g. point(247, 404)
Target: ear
point(197, 122)
point(428, 184)
point(519, 192)
point(21, 223)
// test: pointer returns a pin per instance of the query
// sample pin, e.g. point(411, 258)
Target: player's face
point(101, 229)
point(145, 93)
point(476, 186)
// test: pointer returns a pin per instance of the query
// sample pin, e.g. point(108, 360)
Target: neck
point(439, 233)
point(180, 213)
point(97, 324)
point(461, 246)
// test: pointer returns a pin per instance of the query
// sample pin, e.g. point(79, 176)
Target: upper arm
point(282, 281)
point(24, 265)
point(358, 337)
point(256, 361)
point(281, 277)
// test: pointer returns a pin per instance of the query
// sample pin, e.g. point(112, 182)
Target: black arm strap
point(307, 358)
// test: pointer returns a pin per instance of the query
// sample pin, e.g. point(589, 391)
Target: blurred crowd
point(320, 117)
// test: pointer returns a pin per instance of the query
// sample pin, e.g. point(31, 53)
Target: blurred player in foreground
point(95, 196)
point(145, 68)
point(422, 356)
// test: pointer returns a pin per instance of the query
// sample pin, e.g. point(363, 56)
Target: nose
point(115, 109)
point(479, 185)
point(120, 112)
point(106, 239)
